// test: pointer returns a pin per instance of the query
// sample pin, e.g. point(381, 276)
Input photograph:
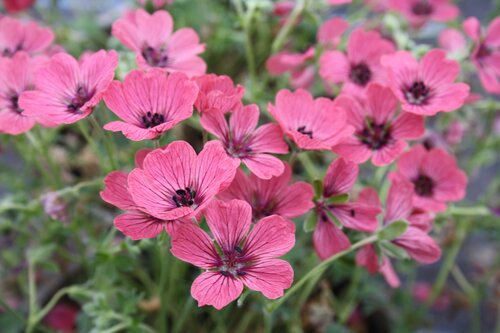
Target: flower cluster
point(245, 184)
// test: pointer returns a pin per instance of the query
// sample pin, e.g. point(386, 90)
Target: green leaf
point(310, 221)
point(393, 250)
point(318, 188)
point(339, 199)
point(392, 230)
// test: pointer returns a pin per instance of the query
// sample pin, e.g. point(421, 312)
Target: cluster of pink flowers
point(383, 97)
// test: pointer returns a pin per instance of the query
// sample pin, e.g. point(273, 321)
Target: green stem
point(156, 143)
point(448, 264)
point(107, 143)
point(351, 294)
point(53, 301)
point(179, 323)
point(162, 283)
point(308, 165)
point(268, 321)
point(246, 23)
point(468, 211)
point(287, 27)
point(31, 297)
point(53, 175)
point(318, 270)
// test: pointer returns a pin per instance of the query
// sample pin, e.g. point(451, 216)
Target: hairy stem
point(318, 270)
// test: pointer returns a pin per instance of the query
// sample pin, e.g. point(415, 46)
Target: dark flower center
point(302, 129)
point(262, 207)
point(184, 197)
point(14, 100)
point(155, 57)
point(238, 149)
point(424, 186)
point(9, 52)
point(152, 119)
point(422, 8)
point(483, 51)
point(360, 74)
point(375, 136)
point(418, 93)
point(233, 263)
point(81, 97)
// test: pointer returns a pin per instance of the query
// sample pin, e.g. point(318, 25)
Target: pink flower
point(150, 103)
point(17, 77)
point(418, 12)
point(380, 134)
point(417, 243)
point(360, 66)
point(328, 237)
point(175, 183)
point(157, 4)
point(136, 222)
point(245, 258)
point(435, 175)
point(174, 52)
point(283, 7)
point(273, 196)
point(455, 132)
point(422, 291)
point(246, 143)
point(427, 87)
point(66, 91)
point(14, 6)
point(331, 31)
point(16, 35)
point(486, 53)
point(313, 124)
point(62, 318)
point(218, 92)
point(367, 257)
point(452, 41)
point(302, 73)
point(338, 2)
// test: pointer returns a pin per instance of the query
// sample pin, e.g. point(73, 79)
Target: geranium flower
point(15, 6)
point(244, 142)
point(175, 183)
point(338, 2)
point(245, 258)
point(417, 243)
point(136, 222)
point(17, 76)
point(330, 32)
point(62, 318)
point(275, 196)
point(486, 53)
point(297, 64)
point(418, 12)
point(218, 92)
point(452, 41)
point(151, 37)
point(66, 91)
point(313, 124)
point(380, 134)
point(150, 103)
point(328, 237)
point(427, 87)
point(436, 177)
point(360, 65)
point(15, 35)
